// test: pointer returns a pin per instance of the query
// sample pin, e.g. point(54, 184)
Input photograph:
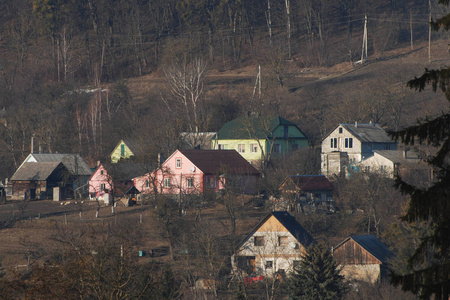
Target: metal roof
point(73, 162)
point(219, 161)
point(253, 127)
point(368, 133)
point(372, 245)
point(125, 171)
point(35, 171)
point(293, 227)
point(289, 222)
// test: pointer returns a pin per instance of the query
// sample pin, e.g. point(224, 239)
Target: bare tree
point(185, 83)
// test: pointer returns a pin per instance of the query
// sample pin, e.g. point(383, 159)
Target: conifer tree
point(429, 266)
point(317, 276)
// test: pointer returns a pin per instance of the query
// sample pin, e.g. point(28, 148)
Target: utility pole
point(411, 29)
point(364, 45)
point(429, 33)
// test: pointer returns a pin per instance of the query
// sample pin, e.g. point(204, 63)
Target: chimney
point(160, 159)
point(98, 163)
point(32, 144)
point(405, 153)
point(356, 124)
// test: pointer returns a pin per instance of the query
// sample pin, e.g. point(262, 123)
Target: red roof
point(311, 182)
point(220, 161)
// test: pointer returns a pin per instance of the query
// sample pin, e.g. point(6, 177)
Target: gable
point(272, 224)
point(362, 250)
point(73, 162)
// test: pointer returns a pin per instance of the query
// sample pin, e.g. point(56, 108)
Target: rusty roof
point(220, 161)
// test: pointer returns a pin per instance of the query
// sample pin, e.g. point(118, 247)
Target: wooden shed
point(36, 180)
point(363, 258)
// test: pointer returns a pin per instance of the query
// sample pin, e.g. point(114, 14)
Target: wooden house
point(77, 168)
point(195, 171)
point(363, 258)
point(116, 177)
point(36, 180)
point(274, 246)
point(351, 143)
point(257, 138)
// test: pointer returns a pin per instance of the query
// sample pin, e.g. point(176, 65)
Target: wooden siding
point(350, 253)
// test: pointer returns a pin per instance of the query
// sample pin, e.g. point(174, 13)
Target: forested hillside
point(80, 75)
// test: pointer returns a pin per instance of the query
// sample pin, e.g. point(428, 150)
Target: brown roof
point(35, 171)
point(219, 161)
point(310, 182)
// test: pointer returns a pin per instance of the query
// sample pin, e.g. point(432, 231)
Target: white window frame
point(147, 183)
point(349, 143)
point(222, 146)
point(178, 163)
point(241, 148)
point(334, 143)
point(102, 186)
point(190, 182)
point(254, 148)
point(167, 183)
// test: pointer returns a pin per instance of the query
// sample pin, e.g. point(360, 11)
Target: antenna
point(364, 45)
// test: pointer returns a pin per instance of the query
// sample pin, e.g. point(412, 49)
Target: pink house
point(118, 175)
point(192, 171)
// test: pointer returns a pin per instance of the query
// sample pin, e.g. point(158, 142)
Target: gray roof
point(73, 162)
point(372, 245)
point(412, 158)
point(33, 171)
point(125, 171)
point(368, 133)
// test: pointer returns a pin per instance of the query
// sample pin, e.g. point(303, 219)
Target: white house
point(408, 164)
point(274, 246)
point(351, 143)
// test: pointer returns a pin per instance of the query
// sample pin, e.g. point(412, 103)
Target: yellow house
point(259, 138)
point(124, 149)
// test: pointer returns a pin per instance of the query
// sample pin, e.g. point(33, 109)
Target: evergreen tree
point(429, 266)
point(317, 276)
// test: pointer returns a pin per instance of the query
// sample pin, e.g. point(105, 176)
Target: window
point(277, 148)
point(102, 186)
point(178, 163)
point(147, 184)
point(333, 142)
point(295, 146)
point(282, 240)
point(259, 241)
point(212, 182)
point(122, 150)
point(269, 264)
point(222, 146)
point(348, 142)
point(253, 148)
point(241, 148)
point(190, 182)
point(340, 129)
point(367, 169)
point(101, 172)
point(166, 183)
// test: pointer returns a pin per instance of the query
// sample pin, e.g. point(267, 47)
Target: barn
point(363, 258)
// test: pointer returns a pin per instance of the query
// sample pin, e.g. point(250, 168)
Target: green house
point(260, 138)
point(124, 149)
